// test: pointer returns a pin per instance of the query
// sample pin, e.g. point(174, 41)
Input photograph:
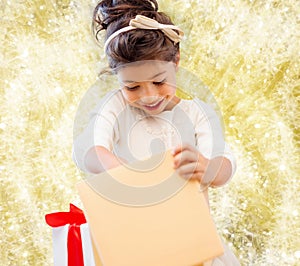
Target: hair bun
point(108, 11)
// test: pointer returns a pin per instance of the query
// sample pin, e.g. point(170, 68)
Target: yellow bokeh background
point(245, 51)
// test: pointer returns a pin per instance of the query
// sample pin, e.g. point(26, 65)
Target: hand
point(190, 163)
point(98, 159)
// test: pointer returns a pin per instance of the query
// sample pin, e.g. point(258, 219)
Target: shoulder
point(113, 101)
point(197, 108)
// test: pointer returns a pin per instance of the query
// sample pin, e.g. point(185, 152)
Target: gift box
point(131, 225)
point(72, 244)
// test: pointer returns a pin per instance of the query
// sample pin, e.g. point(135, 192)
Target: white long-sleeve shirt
point(130, 133)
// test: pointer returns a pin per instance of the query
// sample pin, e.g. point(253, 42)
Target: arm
point(191, 164)
point(210, 160)
point(91, 148)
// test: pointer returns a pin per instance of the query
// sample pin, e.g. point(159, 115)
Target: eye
point(159, 83)
point(132, 88)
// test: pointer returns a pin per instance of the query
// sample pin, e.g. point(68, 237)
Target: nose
point(149, 89)
point(150, 94)
point(149, 99)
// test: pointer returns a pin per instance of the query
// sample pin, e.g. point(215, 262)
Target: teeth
point(152, 105)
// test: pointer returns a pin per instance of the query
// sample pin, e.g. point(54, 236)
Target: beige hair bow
point(142, 22)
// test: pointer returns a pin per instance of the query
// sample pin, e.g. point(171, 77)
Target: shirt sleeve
point(102, 130)
point(209, 134)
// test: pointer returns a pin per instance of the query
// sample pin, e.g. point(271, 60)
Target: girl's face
point(149, 85)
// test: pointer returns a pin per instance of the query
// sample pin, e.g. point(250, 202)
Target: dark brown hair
point(134, 45)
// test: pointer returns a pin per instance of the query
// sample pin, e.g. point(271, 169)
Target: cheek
point(130, 96)
point(167, 90)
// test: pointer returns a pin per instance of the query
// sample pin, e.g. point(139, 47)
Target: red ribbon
point(75, 217)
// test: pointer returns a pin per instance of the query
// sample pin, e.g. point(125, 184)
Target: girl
point(145, 116)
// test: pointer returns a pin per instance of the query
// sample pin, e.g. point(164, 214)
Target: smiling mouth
point(153, 106)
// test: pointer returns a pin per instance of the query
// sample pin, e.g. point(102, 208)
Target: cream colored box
point(146, 214)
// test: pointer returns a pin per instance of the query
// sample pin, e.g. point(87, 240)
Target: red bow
point(75, 217)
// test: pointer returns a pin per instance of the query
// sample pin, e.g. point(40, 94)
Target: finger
point(185, 157)
point(181, 148)
point(192, 176)
point(189, 168)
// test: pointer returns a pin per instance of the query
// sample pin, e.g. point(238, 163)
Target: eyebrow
point(156, 75)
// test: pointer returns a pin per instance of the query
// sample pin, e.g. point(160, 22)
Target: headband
point(142, 22)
